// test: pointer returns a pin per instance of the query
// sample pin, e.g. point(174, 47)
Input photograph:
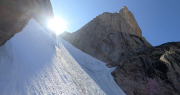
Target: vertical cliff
point(15, 14)
point(109, 36)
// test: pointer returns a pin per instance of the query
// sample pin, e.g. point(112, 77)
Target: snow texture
point(36, 62)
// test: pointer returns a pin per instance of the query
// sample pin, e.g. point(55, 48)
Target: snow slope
point(34, 62)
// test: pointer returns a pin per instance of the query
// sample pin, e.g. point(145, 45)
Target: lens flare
point(57, 25)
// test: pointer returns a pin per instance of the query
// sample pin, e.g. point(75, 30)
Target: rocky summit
point(115, 38)
point(109, 36)
point(15, 15)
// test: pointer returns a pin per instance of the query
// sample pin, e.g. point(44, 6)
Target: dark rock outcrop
point(116, 39)
point(15, 15)
point(154, 71)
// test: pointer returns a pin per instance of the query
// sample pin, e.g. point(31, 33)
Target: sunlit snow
point(34, 62)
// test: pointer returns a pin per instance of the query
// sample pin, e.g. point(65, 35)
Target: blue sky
point(159, 20)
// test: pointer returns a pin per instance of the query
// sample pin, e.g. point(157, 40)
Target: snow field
point(33, 62)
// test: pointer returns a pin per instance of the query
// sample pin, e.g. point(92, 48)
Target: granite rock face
point(108, 36)
point(15, 15)
point(129, 18)
point(150, 71)
point(116, 39)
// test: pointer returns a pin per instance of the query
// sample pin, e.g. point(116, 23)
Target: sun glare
point(57, 25)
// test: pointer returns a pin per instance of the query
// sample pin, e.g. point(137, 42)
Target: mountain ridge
point(111, 30)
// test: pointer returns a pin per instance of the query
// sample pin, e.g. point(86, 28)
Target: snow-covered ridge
point(33, 62)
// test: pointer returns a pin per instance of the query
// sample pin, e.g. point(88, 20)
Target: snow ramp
point(34, 62)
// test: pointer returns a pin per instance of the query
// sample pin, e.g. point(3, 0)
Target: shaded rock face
point(15, 14)
point(108, 36)
point(153, 71)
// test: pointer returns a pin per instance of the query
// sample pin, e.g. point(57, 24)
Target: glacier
point(36, 62)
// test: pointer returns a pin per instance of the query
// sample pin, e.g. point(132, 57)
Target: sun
point(57, 25)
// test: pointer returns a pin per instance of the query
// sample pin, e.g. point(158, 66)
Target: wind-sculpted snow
point(34, 62)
